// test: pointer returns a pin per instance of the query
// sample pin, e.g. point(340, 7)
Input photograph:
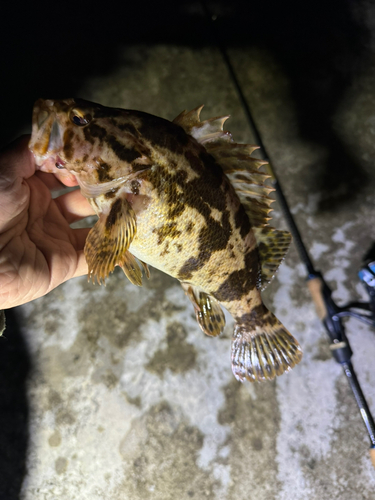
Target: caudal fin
point(263, 349)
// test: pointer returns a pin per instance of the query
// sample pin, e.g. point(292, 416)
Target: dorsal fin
point(234, 159)
point(210, 130)
point(189, 119)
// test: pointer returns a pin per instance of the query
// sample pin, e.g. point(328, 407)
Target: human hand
point(38, 248)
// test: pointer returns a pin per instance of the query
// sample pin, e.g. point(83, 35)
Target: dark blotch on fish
point(238, 283)
point(213, 237)
point(164, 133)
point(242, 221)
point(111, 193)
point(103, 172)
point(127, 127)
point(93, 131)
point(121, 151)
point(167, 231)
point(215, 234)
point(114, 214)
point(191, 266)
point(254, 318)
point(68, 144)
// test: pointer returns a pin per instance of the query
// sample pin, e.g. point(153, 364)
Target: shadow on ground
point(14, 370)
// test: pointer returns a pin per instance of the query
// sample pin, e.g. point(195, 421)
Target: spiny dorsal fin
point(188, 119)
point(272, 246)
point(210, 130)
point(235, 160)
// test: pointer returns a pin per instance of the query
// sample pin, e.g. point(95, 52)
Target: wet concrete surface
point(115, 391)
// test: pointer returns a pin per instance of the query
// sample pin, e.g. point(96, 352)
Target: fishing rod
point(328, 311)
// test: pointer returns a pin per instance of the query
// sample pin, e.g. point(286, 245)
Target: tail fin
point(263, 349)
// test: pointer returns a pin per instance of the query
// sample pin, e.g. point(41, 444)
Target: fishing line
point(328, 311)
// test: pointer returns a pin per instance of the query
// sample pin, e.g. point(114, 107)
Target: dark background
point(49, 51)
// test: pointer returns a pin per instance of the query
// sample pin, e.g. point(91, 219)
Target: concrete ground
point(115, 393)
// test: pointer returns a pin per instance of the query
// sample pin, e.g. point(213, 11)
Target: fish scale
point(183, 197)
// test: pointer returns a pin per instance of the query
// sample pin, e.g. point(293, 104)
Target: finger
point(80, 270)
point(67, 178)
point(50, 180)
point(80, 236)
point(82, 267)
point(74, 206)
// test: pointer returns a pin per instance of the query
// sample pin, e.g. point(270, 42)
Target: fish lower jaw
point(55, 165)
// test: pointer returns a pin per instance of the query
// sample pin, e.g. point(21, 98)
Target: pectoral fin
point(108, 241)
point(208, 312)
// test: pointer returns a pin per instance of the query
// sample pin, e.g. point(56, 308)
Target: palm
point(38, 248)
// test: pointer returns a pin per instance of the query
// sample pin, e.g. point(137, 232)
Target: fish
point(183, 197)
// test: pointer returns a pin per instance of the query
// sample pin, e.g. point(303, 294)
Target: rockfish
point(185, 198)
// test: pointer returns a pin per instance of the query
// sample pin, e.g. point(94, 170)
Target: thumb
point(16, 162)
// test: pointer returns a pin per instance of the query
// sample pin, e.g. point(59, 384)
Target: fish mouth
point(46, 141)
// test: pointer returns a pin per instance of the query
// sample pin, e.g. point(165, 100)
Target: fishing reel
point(367, 276)
point(363, 311)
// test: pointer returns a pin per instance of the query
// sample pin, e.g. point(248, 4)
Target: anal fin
point(208, 311)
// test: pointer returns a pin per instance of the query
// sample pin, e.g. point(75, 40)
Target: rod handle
point(372, 456)
point(315, 286)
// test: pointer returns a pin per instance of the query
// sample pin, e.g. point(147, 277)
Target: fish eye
point(79, 118)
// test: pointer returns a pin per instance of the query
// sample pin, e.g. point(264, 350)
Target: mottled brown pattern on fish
point(242, 221)
point(68, 144)
point(199, 194)
point(169, 231)
point(164, 134)
point(121, 151)
point(165, 250)
point(164, 184)
point(240, 282)
point(127, 127)
point(93, 131)
point(103, 172)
